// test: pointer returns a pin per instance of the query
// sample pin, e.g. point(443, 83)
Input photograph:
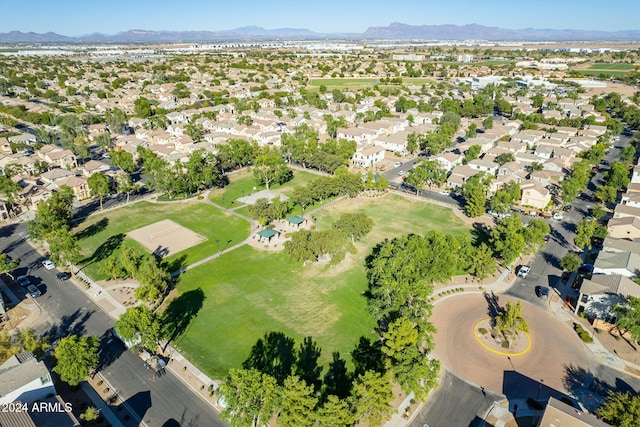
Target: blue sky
point(79, 17)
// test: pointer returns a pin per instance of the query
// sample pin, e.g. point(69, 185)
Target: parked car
point(33, 291)
point(566, 208)
point(546, 238)
point(402, 173)
point(444, 192)
point(48, 264)
point(23, 281)
point(542, 292)
point(577, 282)
point(397, 164)
point(586, 270)
point(523, 271)
point(63, 276)
point(558, 216)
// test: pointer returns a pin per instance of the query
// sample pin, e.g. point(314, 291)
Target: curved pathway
point(554, 349)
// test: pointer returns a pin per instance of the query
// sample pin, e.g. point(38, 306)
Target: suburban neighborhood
point(320, 233)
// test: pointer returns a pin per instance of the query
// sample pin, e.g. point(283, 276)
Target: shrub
point(584, 335)
point(505, 344)
point(482, 331)
point(106, 390)
point(100, 383)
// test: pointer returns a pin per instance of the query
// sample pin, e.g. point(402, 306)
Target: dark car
point(23, 281)
point(566, 208)
point(577, 283)
point(63, 276)
point(542, 292)
point(586, 270)
point(565, 277)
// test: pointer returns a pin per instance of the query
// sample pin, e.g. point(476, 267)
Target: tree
point(99, 185)
point(474, 192)
point(9, 189)
point(606, 193)
point(7, 264)
point(297, 403)
point(76, 357)
point(534, 234)
point(505, 158)
point(372, 394)
point(618, 176)
point(139, 323)
point(629, 317)
point(53, 214)
point(125, 185)
point(487, 123)
point(507, 239)
point(354, 225)
point(472, 131)
point(483, 263)
point(91, 414)
point(335, 412)
point(270, 167)
point(251, 397)
point(416, 178)
point(472, 153)
point(153, 278)
point(571, 261)
point(63, 246)
point(584, 233)
point(511, 319)
point(124, 160)
point(620, 410)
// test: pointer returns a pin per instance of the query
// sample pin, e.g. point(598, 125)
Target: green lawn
point(607, 73)
point(629, 67)
point(103, 234)
point(250, 292)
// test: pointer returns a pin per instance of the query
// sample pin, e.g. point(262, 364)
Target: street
point(162, 401)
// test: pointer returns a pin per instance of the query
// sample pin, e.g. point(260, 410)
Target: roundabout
point(547, 355)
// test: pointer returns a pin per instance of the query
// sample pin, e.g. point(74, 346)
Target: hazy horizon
point(80, 17)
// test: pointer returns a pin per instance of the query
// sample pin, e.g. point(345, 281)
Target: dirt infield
point(166, 237)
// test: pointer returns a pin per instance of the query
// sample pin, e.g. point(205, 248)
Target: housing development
point(320, 233)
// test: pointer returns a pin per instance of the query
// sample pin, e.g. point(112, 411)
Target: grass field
point(607, 73)
point(103, 234)
point(617, 67)
point(248, 292)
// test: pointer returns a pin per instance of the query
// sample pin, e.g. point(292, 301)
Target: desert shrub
point(482, 331)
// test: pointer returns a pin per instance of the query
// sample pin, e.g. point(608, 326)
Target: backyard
point(104, 234)
point(247, 293)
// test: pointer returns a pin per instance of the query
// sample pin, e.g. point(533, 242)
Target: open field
point(618, 67)
point(607, 73)
point(248, 293)
point(104, 234)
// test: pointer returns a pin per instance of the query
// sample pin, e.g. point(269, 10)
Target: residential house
point(359, 135)
point(24, 378)
point(449, 160)
point(623, 263)
point(57, 157)
point(79, 186)
point(624, 227)
point(396, 143)
point(53, 175)
point(635, 175)
point(534, 194)
point(366, 157)
point(631, 199)
point(559, 414)
point(5, 213)
point(485, 166)
point(528, 138)
point(94, 166)
point(602, 292)
point(612, 244)
point(459, 175)
point(624, 210)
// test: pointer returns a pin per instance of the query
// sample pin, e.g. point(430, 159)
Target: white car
point(558, 216)
point(402, 173)
point(48, 264)
point(523, 271)
point(444, 192)
point(397, 164)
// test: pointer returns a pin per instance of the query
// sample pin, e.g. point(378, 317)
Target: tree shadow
point(577, 378)
point(367, 356)
point(493, 308)
point(569, 226)
point(111, 348)
point(176, 265)
point(307, 367)
point(552, 260)
point(93, 229)
point(180, 311)
point(8, 230)
point(139, 403)
point(273, 355)
point(337, 380)
point(106, 249)
point(72, 324)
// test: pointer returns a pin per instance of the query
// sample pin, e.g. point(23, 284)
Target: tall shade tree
point(251, 396)
point(335, 412)
point(76, 357)
point(571, 261)
point(124, 160)
point(139, 324)
point(629, 317)
point(297, 403)
point(99, 185)
point(620, 410)
point(511, 319)
point(354, 225)
point(271, 168)
point(372, 395)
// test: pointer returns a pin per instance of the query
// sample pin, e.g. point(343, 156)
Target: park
point(246, 293)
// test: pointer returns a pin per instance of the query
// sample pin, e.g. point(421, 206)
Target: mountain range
point(394, 31)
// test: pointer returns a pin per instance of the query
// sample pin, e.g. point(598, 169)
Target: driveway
point(556, 350)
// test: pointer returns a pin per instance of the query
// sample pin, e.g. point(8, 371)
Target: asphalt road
point(164, 401)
